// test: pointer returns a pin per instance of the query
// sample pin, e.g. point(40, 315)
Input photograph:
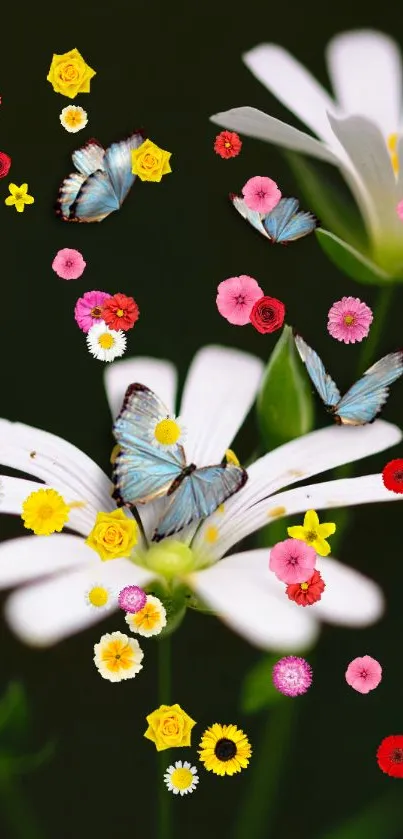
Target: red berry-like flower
point(5, 163)
point(267, 314)
point(227, 144)
point(306, 593)
point(120, 312)
point(392, 475)
point(390, 756)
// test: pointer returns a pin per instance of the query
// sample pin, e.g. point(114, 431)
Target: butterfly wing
point(89, 158)
point(118, 165)
point(198, 496)
point(327, 389)
point(285, 224)
point(254, 218)
point(68, 193)
point(140, 412)
point(365, 398)
point(96, 199)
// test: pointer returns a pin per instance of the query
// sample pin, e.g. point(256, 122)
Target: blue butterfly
point(144, 471)
point(283, 224)
point(101, 183)
point(365, 398)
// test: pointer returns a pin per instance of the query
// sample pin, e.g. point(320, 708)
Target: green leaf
point(351, 261)
point(285, 402)
point(174, 604)
point(258, 691)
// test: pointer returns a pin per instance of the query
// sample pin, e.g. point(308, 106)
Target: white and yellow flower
point(105, 344)
point(181, 778)
point(73, 118)
point(168, 432)
point(118, 657)
point(99, 597)
point(150, 620)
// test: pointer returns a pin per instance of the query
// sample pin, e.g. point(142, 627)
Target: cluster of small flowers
point(105, 318)
point(292, 676)
point(293, 560)
point(240, 300)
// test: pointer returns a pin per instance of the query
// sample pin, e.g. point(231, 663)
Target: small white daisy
point(181, 778)
point(99, 597)
point(150, 620)
point(168, 432)
point(105, 344)
point(73, 118)
point(118, 657)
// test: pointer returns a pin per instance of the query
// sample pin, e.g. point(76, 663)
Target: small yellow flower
point(224, 749)
point(73, 118)
point(150, 162)
point(169, 727)
point(313, 533)
point(113, 535)
point(69, 74)
point(149, 620)
point(45, 512)
point(19, 197)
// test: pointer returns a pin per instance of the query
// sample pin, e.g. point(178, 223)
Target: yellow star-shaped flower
point(19, 197)
point(313, 533)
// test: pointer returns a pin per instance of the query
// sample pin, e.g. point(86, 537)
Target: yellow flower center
point(392, 146)
point(211, 534)
point(106, 341)
point(98, 596)
point(118, 656)
point(231, 457)
point(348, 320)
point(304, 586)
point(311, 536)
point(96, 312)
point(227, 145)
point(167, 432)
point(19, 196)
point(148, 617)
point(45, 512)
point(120, 313)
point(181, 778)
point(73, 117)
point(69, 73)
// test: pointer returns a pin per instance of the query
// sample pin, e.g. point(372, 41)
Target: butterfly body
point(364, 400)
point(284, 224)
point(144, 471)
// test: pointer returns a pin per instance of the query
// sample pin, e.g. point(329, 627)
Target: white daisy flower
point(168, 432)
point(118, 657)
point(149, 620)
point(360, 130)
point(73, 118)
point(105, 344)
point(51, 572)
point(98, 596)
point(181, 778)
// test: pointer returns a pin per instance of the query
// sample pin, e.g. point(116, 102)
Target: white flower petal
point(220, 389)
point(293, 85)
point(309, 455)
point(29, 557)
point(238, 589)
point(46, 612)
point(14, 491)
point(366, 72)
point(254, 123)
point(159, 376)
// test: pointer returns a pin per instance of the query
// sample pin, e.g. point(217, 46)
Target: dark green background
point(166, 67)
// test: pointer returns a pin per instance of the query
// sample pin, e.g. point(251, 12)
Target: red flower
point(5, 163)
point(306, 593)
point(267, 314)
point(120, 312)
point(390, 755)
point(227, 144)
point(392, 475)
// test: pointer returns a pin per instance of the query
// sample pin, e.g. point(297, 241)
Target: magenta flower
point(399, 210)
point(132, 599)
point(364, 674)
point(292, 676)
point(68, 264)
point(88, 309)
point(292, 561)
point(349, 320)
point(236, 297)
point(261, 194)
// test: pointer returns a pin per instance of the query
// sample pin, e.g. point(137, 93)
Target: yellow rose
point(113, 535)
point(150, 162)
point(169, 727)
point(69, 74)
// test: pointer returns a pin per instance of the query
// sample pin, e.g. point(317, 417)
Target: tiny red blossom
point(120, 312)
point(267, 314)
point(5, 163)
point(227, 144)
point(306, 593)
point(392, 475)
point(390, 755)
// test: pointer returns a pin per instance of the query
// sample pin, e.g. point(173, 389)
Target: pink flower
point(292, 676)
point(292, 561)
point(68, 264)
point(349, 320)
point(399, 210)
point(364, 674)
point(261, 194)
point(88, 309)
point(236, 297)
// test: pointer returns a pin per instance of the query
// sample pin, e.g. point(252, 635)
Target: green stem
point(164, 696)
point(16, 811)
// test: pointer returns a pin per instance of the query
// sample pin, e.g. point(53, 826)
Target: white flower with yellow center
point(73, 118)
point(52, 572)
point(181, 778)
point(168, 432)
point(149, 620)
point(105, 344)
point(99, 597)
point(118, 657)
point(360, 130)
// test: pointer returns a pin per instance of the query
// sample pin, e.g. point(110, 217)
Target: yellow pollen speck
point(304, 586)
point(276, 511)
point(114, 453)
point(221, 508)
point(98, 596)
point(211, 534)
point(392, 146)
point(106, 341)
point(167, 432)
point(296, 473)
point(231, 458)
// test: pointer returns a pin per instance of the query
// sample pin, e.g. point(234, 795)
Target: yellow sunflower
point(224, 749)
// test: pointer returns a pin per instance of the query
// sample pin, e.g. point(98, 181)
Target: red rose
point(267, 314)
point(5, 163)
point(227, 144)
point(120, 312)
point(392, 475)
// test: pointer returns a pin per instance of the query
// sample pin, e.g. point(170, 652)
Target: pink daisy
point(292, 561)
point(261, 194)
point(236, 297)
point(292, 676)
point(88, 309)
point(399, 210)
point(132, 599)
point(68, 264)
point(349, 320)
point(364, 674)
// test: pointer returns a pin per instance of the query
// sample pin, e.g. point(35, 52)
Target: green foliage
point(258, 692)
point(350, 261)
point(16, 754)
